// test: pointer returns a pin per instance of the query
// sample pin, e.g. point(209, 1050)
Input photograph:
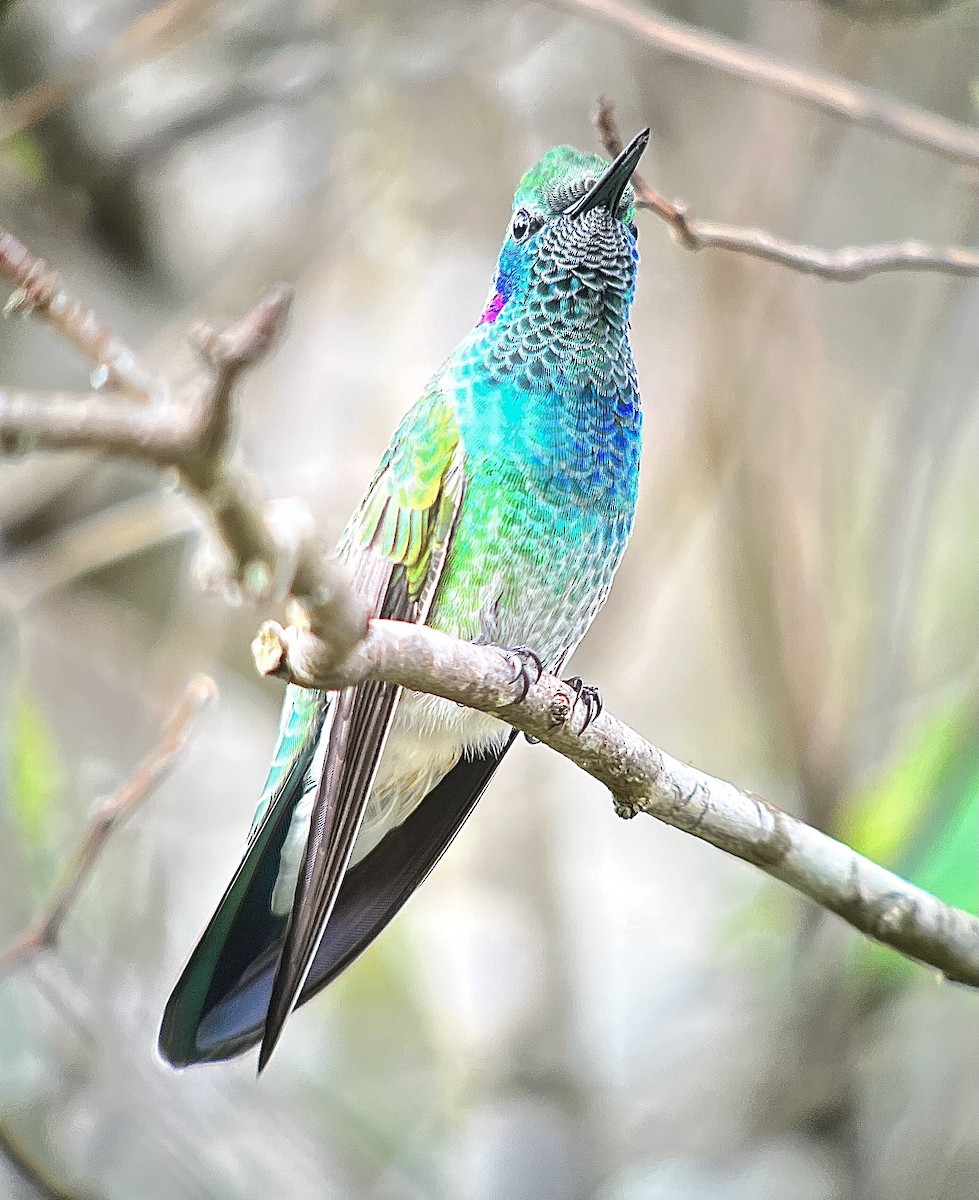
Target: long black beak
point(608, 190)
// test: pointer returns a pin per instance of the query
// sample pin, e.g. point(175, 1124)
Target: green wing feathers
point(297, 726)
point(397, 541)
point(408, 512)
point(405, 517)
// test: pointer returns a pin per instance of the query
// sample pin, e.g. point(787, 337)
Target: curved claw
point(590, 696)
point(524, 660)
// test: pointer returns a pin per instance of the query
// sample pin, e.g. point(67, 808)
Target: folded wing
point(251, 964)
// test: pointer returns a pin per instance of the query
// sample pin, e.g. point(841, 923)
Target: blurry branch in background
point(32, 1173)
point(38, 289)
point(828, 93)
point(108, 815)
point(332, 644)
point(190, 433)
point(848, 265)
point(89, 543)
point(152, 34)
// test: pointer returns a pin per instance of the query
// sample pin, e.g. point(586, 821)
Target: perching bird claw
point(524, 661)
point(589, 696)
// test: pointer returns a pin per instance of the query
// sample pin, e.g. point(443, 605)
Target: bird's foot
point(589, 696)
point(525, 663)
point(527, 668)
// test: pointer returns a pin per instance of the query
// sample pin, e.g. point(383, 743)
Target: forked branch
point(847, 265)
point(190, 433)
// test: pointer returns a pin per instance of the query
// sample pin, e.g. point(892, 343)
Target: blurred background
point(572, 1006)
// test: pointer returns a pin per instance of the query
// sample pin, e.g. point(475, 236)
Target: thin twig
point(847, 265)
point(124, 801)
point(87, 421)
point(828, 93)
point(189, 433)
point(38, 291)
point(151, 34)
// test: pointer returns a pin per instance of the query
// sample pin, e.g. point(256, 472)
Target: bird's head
point(570, 254)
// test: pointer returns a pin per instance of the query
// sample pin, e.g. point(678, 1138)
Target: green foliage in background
point(23, 152)
point(921, 817)
point(36, 775)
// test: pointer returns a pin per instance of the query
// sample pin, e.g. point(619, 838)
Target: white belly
point(428, 737)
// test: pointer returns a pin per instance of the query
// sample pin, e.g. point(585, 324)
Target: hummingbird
point(499, 514)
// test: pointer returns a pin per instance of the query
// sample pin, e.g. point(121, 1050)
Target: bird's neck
point(550, 386)
point(566, 332)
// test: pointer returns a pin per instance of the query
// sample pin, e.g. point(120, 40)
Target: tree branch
point(848, 265)
point(331, 644)
point(190, 433)
point(123, 802)
point(828, 93)
point(644, 779)
point(37, 290)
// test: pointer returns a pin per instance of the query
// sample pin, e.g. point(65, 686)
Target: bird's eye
point(524, 224)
